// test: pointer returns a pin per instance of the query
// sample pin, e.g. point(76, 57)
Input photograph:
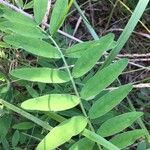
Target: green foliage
point(127, 138)
point(40, 8)
point(58, 15)
point(71, 127)
point(56, 98)
point(104, 78)
point(52, 102)
point(44, 75)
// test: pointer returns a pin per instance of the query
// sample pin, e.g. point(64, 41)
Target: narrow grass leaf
point(40, 7)
point(102, 79)
point(98, 139)
point(83, 144)
point(109, 101)
point(118, 123)
point(66, 129)
point(91, 56)
point(127, 138)
point(26, 115)
point(51, 102)
point(35, 46)
point(128, 30)
point(44, 75)
point(58, 15)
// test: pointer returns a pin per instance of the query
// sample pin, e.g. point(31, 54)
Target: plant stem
point(73, 84)
point(26, 115)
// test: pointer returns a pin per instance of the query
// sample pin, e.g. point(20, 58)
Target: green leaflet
point(109, 101)
point(77, 50)
point(127, 138)
point(15, 138)
point(102, 79)
point(44, 75)
point(91, 56)
point(23, 126)
point(14, 16)
point(23, 29)
point(83, 144)
point(100, 140)
point(118, 123)
point(40, 7)
point(58, 15)
point(51, 102)
point(5, 122)
point(63, 133)
point(128, 30)
point(32, 45)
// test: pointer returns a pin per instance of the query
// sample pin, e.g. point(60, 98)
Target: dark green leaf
point(83, 144)
point(102, 79)
point(14, 16)
point(77, 50)
point(15, 138)
point(23, 126)
point(23, 29)
point(127, 138)
point(118, 123)
point(91, 56)
point(58, 15)
point(32, 45)
point(40, 7)
point(109, 101)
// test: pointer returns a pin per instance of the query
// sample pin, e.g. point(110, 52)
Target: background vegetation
point(79, 60)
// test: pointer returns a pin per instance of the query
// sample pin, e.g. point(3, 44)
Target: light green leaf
point(44, 75)
point(100, 140)
point(127, 138)
point(58, 15)
point(51, 102)
point(23, 126)
point(23, 29)
point(102, 79)
point(77, 50)
point(128, 30)
point(40, 7)
point(109, 101)
point(32, 45)
point(83, 144)
point(63, 133)
point(118, 123)
point(91, 56)
point(14, 16)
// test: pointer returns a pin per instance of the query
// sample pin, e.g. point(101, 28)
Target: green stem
point(26, 115)
point(73, 84)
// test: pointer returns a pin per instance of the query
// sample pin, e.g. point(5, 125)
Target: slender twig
point(138, 33)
